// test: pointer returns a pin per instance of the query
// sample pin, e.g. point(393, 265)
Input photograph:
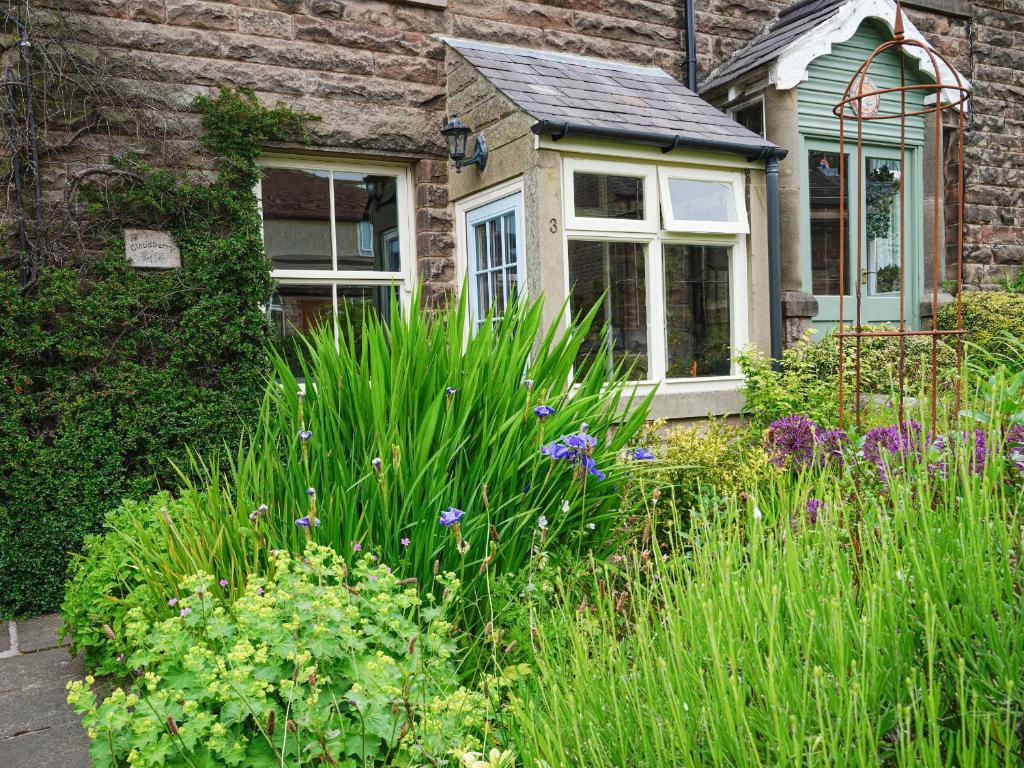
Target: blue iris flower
point(451, 516)
point(543, 411)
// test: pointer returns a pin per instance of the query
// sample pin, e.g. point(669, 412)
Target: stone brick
point(434, 171)
point(433, 220)
point(200, 14)
point(407, 69)
point(431, 195)
point(256, 21)
point(367, 38)
point(147, 10)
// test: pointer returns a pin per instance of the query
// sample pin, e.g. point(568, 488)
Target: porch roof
point(611, 99)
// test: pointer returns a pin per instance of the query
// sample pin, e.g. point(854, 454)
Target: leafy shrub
point(103, 584)
point(107, 373)
point(314, 664)
point(413, 421)
point(836, 629)
point(807, 381)
point(994, 321)
point(701, 466)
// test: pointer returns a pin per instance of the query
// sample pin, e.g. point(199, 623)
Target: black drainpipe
point(771, 171)
point(691, 47)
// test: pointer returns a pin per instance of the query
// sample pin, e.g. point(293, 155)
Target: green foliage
point(477, 449)
point(103, 585)
point(107, 373)
point(701, 466)
point(890, 631)
point(994, 321)
point(807, 382)
point(313, 663)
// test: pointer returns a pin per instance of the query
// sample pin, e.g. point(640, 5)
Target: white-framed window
point(494, 264)
point(339, 236)
point(673, 290)
point(610, 196)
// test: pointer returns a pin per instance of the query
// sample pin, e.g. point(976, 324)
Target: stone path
point(37, 727)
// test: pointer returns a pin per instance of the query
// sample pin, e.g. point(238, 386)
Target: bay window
point(662, 250)
point(339, 240)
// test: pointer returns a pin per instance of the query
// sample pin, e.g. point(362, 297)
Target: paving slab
point(39, 633)
point(37, 727)
point(5, 636)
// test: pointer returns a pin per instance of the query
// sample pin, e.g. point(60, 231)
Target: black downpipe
point(771, 171)
point(691, 47)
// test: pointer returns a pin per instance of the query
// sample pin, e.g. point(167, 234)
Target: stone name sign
point(151, 249)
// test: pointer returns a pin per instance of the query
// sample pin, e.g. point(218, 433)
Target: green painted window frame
point(872, 306)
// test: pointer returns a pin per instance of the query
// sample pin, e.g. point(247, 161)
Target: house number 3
point(553, 226)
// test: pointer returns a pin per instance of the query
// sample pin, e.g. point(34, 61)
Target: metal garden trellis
point(947, 95)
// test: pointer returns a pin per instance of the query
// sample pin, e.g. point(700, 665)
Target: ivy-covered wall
point(108, 373)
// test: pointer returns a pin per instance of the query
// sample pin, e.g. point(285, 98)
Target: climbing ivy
point(108, 373)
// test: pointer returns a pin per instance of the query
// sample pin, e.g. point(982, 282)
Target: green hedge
point(994, 321)
point(108, 373)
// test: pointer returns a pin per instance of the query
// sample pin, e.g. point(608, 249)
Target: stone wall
point(373, 70)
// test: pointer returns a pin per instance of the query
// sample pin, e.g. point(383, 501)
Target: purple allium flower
point(404, 541)
point(790, 441)
point(543, 411)
point(303, 522)
point(357, 547)
point(185, 612)
point(830, 444)
point(451, 516)
point(1014, 436)
point(311, 492)
point(814, 506)
point(902, 441)
point(172, 602)
point(641, 454)
point(223, 582)
point(305, 435)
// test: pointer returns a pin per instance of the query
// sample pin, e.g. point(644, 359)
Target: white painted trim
point(602, 149)
point(646, 172)
point(789, 67)
point(732, 178)
point(511, 203)
point(653, 240)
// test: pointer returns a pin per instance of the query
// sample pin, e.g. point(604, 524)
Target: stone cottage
point(657, 157)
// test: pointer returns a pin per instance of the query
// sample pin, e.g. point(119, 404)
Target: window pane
point(480, 236)
point(366, 222)
point(297, 218)
point(598, 195)
point(618, 268)
point(694, 200)
point(882, 201)
point(751, 117)
point(511, 251)
point(697, 327)
point(295, 310)
point(356, 302)
point(824, 193)
point(496, 271)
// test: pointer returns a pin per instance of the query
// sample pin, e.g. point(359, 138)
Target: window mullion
point(656, 299)
point(334, 227)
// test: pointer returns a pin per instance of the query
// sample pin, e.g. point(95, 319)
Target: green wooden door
point(873, 240)
point(872, 184)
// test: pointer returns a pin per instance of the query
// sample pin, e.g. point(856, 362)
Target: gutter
point(767, 153)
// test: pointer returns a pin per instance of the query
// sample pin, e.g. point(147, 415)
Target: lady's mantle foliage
point(314, 660)
point(107, 372)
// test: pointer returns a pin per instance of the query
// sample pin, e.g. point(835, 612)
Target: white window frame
point(734, 237)
point(406, 225)
point(495, 209)
point(464, 209)
point(672, 224)
point(572, 165)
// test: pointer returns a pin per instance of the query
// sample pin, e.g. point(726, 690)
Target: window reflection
point(824, 193)
point(603, 196)
point(697, 323)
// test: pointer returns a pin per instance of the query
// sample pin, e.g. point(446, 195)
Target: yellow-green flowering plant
point(314, 664)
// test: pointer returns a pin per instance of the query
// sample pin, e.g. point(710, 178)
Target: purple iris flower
point(641, 454)
point(556, 451)
point(450, 391)
point(451, 516)
point(311, 492)
point(305, 435)
point(588, 464)
point(303, 522)
point(581, 441)
point(543, 411)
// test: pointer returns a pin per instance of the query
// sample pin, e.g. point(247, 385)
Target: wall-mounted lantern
point(456, 133)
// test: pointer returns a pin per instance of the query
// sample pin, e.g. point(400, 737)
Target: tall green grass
point(450, 420)
point(889, 633)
